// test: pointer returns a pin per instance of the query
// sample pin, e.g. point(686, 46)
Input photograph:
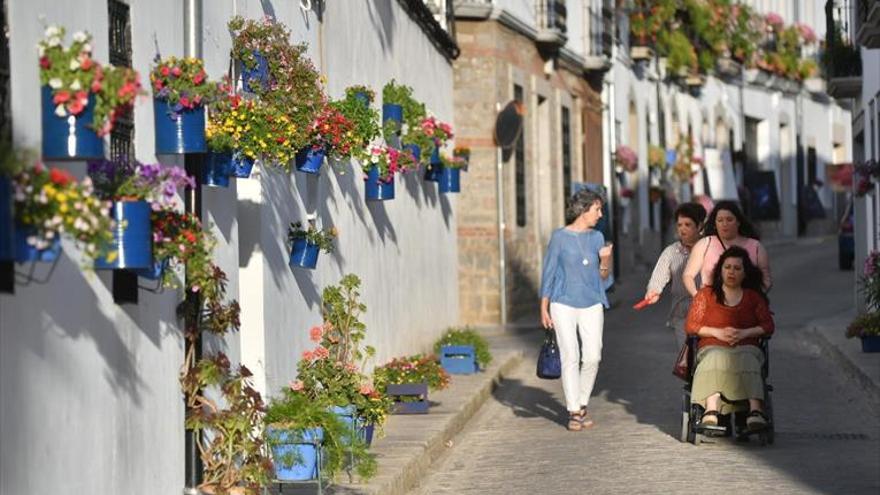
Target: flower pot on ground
point(460, 339)
point(305, 244)
point(296, 453)
point(80, 99)
point(407, 380)
point(180, 92)
point(409, 398)
point(866, 327)
point(870, 343)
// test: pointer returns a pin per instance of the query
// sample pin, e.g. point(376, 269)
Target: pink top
point(716, 248)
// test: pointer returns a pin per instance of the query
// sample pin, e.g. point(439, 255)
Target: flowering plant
point(265, 37)
point(151, 182)
point(364, 119)
point(656, 157)
point(321, 238)
point(869, 282)
point(864, 325)
point(332, 131)
point(866, 172)
point(416, 136)
point(419, 368)
point(50, 202)
point(183, 83)
point(626, 158)
point(256, 129)
point(452, 161)
point(467, 336)
point(462, 151)
point(441, 132)
point(73, 76)
point(389, 161)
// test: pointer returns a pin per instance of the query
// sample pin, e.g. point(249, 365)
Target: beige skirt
point(735, 372)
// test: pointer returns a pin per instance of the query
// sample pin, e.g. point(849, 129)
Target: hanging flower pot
point(71, 136)
point(304, 254)
point(377, 189)
point(242, 165)
point(434, 166)
point(303, 446)
point(132, 245)
point(255, 78)
point(217, 170)
point(26, 252)
point(7, 250)
point(870, 343)
point(415, 150)
point(448, 179)
point(179, 130)
point(309, 160)
point(392, 117)
point(363, 97)
point(366, 432)
point(154, 272)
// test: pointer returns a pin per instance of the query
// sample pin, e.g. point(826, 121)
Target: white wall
point(90, 397)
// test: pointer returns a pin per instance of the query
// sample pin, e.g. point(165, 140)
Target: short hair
point(580, 202)
point(694, 211)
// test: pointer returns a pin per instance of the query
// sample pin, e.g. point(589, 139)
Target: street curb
point(845, 363)
point(399, 478)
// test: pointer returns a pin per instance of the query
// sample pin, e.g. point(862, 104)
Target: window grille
point(520, 165)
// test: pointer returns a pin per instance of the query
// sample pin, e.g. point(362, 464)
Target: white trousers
point(579, 366)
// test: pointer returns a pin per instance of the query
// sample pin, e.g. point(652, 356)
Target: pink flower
point(297, 385)
point(315, 334)
point(366, 389)
point(321, 352)
point(308, 355)
point(176, 72)
point(165, 71)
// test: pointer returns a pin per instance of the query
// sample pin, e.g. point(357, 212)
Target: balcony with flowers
point(841, 59)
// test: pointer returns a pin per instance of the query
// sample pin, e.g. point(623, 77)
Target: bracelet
point(603, 268)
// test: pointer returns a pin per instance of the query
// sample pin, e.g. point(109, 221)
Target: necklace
point(585, 261)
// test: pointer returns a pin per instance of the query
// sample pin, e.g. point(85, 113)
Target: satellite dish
point(508, 124)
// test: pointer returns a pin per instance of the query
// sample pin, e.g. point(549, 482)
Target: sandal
point(756, 420)
point(586, 420)
point(575, 422)
point(709, 418)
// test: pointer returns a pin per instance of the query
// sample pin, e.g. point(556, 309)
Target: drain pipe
point(502, 255)
point(192, 36)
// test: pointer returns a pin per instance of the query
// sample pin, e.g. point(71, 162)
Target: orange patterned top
point(752, 311)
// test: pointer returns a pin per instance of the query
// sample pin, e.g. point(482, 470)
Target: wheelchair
point(733, 424)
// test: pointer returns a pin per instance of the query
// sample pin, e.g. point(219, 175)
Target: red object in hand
point(641, 304)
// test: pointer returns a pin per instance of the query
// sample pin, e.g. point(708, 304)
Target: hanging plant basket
point(217, 170)
point(70, 137)
point(257, 78)
point(242, 165)
point(132, 237)
point(376, 189)
point(363, 97)
point(870, 343)
point(179, 131)
point(26, 253)
point(433, 167)
point(7, 249)
point(415, 150)
point(304, 254)
point(309, 160)
point(154, 272)
point(392, 113)
point(449, 179)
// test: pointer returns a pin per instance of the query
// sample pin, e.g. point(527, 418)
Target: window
point(122, 135)
point(566, 152)
point(519, 157)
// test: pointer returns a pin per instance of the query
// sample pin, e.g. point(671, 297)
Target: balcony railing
point(867, 23)
point(601, 28)
point(551, 20)
point(841, 61)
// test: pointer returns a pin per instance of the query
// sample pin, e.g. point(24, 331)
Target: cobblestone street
point(828, 433)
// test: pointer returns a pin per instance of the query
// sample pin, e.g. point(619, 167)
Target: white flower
point(60, 111)
point(50, 234)
point(53, 32)
point(74, 64)
point(374, 159)
point(87, 48)
point(75, 85)
point(57, 219)
point(41, 50)
point(54, 42)
point(55, 83)
point(80, 37)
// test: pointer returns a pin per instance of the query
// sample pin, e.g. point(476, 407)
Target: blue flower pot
point(366, 432)
point(25, 253)
point(363, 98)
point(303, 445)
point(415, 150)
point(378, 190)
point(433, 166)
point(448, 180)
point(70, 137)
point(309, 160)
point(217, 170)
point(304, 254)
point(178, 132)
point(132, 237)
point(393, 113)
point(7, 228)
point(252, 80)
point(242, 165)
point(154, 272)
point(458, 359)
point(348, 416)
point(870, 343)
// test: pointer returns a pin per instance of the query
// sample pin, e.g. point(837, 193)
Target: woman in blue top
point(576, 273)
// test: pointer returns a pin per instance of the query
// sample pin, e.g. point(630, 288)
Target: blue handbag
point(549, 364)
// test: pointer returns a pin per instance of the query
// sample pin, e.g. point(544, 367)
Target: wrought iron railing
point(551, 15)
point(601, 28)
point(841, 57)
point(120, 33)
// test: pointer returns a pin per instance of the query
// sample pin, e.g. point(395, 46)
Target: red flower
point(44, 62)
point(60, 177)
point(165, 71)
point(61, 97)
point(198, 78)
point(86, 63)
point(185, 102)
point(176, 71)
point(96, 85)
point(76, 106)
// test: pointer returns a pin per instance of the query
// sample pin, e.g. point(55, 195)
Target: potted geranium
point(867, 326)
point(81, 100)
point(440, 133)
point(331, 133)
point(365, 120)
point(407, 381)
point(50, 202)
point(463, 350)
point(257, 46)
point(449, 174)
point(180, 92)
point(136, 189)
point(626, 158)
point(383, 163)
point(305, 243)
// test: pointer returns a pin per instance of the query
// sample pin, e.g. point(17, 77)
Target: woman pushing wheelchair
point(730, 316)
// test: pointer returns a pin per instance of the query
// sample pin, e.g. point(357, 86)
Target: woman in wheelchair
point(730, 316)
